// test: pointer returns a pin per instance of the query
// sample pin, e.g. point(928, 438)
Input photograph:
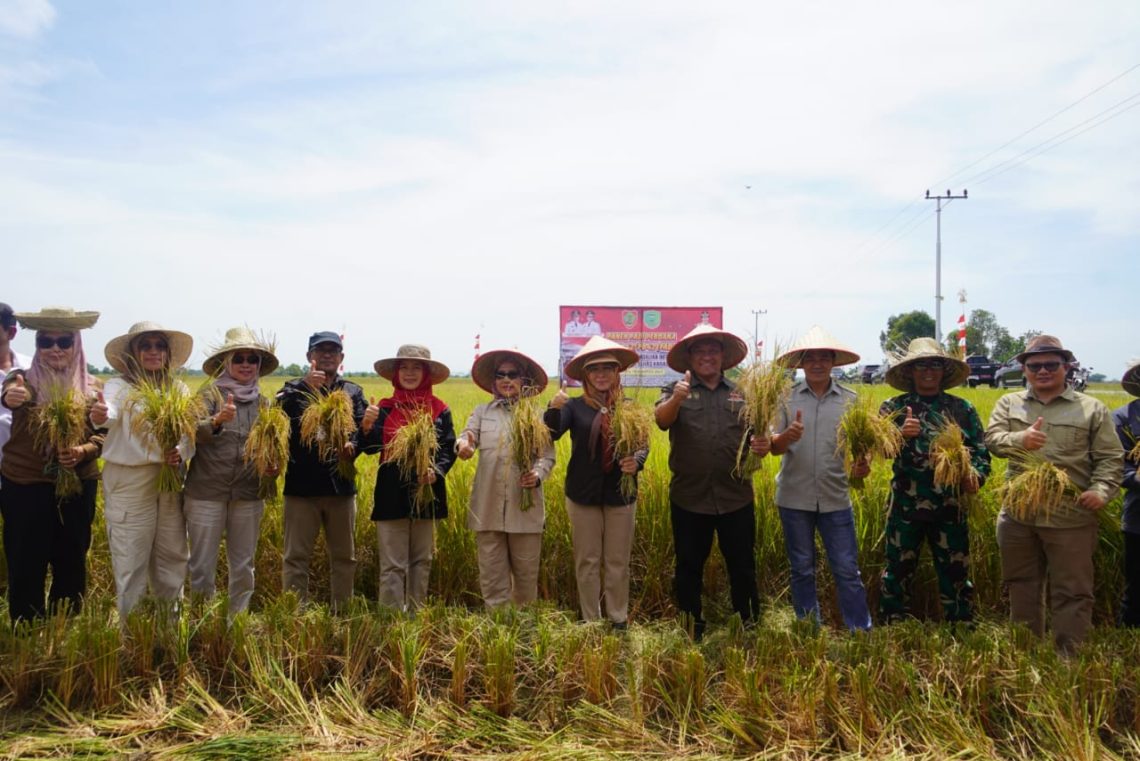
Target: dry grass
point(529, 438)
point(630, 428)
point(328, 425)
point(267, 447)
point(413, 449)
point(1038, 490)
point(60, 422)
point(167, 411)
point(765, 387)
point(864, 433)
point(950, 457)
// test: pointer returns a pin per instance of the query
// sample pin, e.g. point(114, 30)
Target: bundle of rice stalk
point(864, 433)
point(267, 447)
point(413, 450)
point(328, 425)
point(630, 429)
point(950, 457)
point(1038, 489)
point(765, 387)
point(1134, 453)
point(529, 437)
point(61, 423)
point(167, 411)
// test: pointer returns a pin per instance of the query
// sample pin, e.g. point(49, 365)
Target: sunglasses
point(63, 342)
point(929, 364)
point(245, 359)
point(1049, 367)
point(152, 346)
point(507, 374)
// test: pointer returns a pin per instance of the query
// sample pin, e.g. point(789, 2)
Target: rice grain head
point(327, 424)
point(166, 411)
point(1038, 489)
point(528, 438)
point(630, 428)
point(267, 447)
point(950, 457)
point(863, 432)
point(413, 450)
point(60, 422)
point(765, 387)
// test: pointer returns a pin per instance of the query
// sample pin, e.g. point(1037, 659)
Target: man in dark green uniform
point(921, 510)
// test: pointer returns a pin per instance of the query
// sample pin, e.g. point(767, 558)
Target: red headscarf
point(600, 429)
point(403, 402)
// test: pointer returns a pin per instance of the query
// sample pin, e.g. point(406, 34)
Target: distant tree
point(1097, 378)
point(984, 335)
point(905, 327)
point(292, 370)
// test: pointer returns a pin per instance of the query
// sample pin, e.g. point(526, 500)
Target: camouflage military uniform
point(919, 510)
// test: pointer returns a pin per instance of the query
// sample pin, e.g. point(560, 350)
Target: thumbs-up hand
point(795, 430)
point(371, 415)
point(227, 413)
point(560, 399)
point(16, 394)
point(465, 447)
point(99, 410)
point(1035, 436)
point(911, 427)
point(315, 378)
point(684, 387)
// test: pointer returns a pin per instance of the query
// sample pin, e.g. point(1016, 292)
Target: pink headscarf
point(75, 375)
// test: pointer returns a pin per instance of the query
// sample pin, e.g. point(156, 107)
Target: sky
point(425, 172)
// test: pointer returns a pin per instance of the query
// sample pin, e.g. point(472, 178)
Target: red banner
point(650, 331)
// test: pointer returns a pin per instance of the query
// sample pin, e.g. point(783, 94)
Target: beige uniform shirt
point(1081, 441)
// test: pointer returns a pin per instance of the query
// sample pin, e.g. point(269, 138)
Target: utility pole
point(938, 255)
point(756, 345)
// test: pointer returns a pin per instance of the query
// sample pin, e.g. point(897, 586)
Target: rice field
point(293, 681)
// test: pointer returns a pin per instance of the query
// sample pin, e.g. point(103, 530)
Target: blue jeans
point(837, 529)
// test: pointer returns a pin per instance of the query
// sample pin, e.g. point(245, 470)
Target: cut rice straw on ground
point(630, 428)
point(328, 425)
point(950, 457)
point(61, 423)
point(267, 448)
point(864, 433)
point(1038, 490)
point(413, 450)
point(167, 411)
point(765, 387)
point(529, 438)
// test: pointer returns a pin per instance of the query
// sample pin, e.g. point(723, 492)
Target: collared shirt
point(812, 474)
point(19, 362)
point(1126, 420)
point(219, 471)
point(1081, 441)
point(704, 441)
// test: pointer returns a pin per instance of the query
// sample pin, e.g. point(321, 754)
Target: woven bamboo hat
point(735, 350)
point(118, 349)
point(1131, 379)
point(955, 373)
point(56, 318)
point(241, 339)
point(386, 368)
point(818, 339)
point(597, 350)
point(483, 371)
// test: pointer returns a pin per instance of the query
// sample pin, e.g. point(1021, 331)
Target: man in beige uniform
point(1075, 433)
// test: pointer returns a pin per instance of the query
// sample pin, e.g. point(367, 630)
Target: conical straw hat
point(594, 348)
point(735, 350)
point(818, 339)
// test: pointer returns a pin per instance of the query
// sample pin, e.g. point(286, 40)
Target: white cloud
point(25, 19)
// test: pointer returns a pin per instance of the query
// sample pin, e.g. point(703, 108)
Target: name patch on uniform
point(735, 396)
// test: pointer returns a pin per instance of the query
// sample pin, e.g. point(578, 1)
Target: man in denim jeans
point(811, 489)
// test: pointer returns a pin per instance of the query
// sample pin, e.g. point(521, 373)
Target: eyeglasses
point(326, 348)
point(245, 359)
point(507, 374)
point(152, 346)
point(63, 342)
point(929, 364)
point(1049, 367)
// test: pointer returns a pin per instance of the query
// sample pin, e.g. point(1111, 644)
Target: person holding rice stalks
point(516, 455)
point(1126, 420)
point(601, 516)
point(319, 492)
point(812, 489)
point(146, 528)
point(707, 493)
point(1049, 425)
point(222, 496)
point(49, 471)
point(414, 434)
point(943, 461)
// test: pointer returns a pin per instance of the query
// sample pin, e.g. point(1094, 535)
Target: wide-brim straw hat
point(1044, 344)
point(955, 373)
point(817, 339)
point(386, 368)
point(600, 349)
point(1131, 380)
point(241, 339)
point(56, 318)
point(118, 349)
point(483, 370)
point(735, 350)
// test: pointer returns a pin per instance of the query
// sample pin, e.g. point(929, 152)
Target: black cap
point(7, 316)
point(325, 337)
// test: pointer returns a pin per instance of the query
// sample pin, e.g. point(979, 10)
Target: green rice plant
point(499, 669)
point(1038, 488)
point(864, 433)
point(166, 411)
point(765, 387)
point(327, 424)
point(600, 670)
point(529, 438)
point(267, 447)
point(630, 428)
point(59, 423)
point(413, 450)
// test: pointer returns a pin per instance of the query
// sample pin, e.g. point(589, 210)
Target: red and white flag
point(962, 334)
point(476, 346)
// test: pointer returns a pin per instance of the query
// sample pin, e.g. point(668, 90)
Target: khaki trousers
point(603, 539)
point(508, 567)
point(405, 547)
point(206, 522)
point(146, 533)
point(304, 519)
point(1064, 556)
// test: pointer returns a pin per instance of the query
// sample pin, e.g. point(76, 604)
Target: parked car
point(1009, 374)
point(982, 370)
point(867, 374)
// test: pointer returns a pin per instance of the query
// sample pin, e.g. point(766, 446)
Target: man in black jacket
point(317, 494)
